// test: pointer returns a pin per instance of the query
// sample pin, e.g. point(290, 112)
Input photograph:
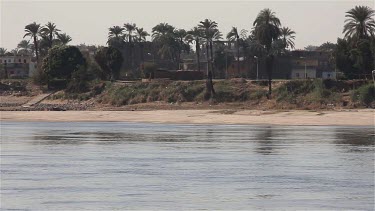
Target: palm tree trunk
point(212, 58)
point(36, 49)
point(197, 52)
point(207, 59)
point(238, 58)
point(269, 66)
point(50, 40)
point(210, 92)
point(130, 52)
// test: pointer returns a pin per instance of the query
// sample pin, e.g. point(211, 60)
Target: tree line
point(266, 40)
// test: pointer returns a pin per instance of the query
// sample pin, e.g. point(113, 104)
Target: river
point(117, 166)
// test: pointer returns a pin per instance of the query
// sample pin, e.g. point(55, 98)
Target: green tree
point(195, 35)
point(25, 47)
point(3, 51)
point(359, 22)
point(115, 36)
point(209, 28)
point(33, 30)
point(234, 36)
point(49, 30)
point(267, 30)
point(165, 40)
point(130, 28)
point(62, 61)
point(110, 61)
point(180, 35)
point(64, 38)
point(287, 37)
point(141, 38)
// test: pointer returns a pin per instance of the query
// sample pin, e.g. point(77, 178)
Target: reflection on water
point(116, 166)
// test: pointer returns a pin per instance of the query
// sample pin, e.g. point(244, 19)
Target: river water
point(117, 166)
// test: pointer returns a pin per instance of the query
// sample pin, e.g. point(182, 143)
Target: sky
point(314, 22)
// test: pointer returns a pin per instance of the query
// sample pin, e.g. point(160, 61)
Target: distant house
point(311, 64)
point(17, 66)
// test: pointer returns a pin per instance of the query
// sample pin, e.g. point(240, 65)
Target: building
point(17, 66)
point(311, 64)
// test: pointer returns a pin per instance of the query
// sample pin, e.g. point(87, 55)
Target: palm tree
point(163, 35)
point(25, 46)
point(214, 35)
point(231, 36)
point(359, 22)
point(195, 35)
point(180, 35)
point(49, 30)
point(32, 30)
point(15, 52)
point(3, 51)
point(115, 31)
point(64, 38)
point(115, 36)
point(130, 28)
point(141, 38)
point(287, 37)
point(161, 30)
point(208, 28)
point(267, 30)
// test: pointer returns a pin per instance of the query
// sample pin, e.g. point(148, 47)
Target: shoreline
point(360, 117)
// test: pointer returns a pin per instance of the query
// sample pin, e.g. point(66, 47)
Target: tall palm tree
point(50, 31)
point(130, 28)
point(163, 36)
point(115, 36)
point(180, 35)
point(208, 26)
point(141, 38)
point(287, 37)
point(161, 30)
point(214, 35)
point(25, 47)
point(3, 51)
point(359, 22)
point(115, 31)
point(32, 30)
point(267, 30)
point(234, 36)
point(64, 38)
point(195, 35)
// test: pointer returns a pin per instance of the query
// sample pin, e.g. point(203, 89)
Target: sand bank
point(364, 117)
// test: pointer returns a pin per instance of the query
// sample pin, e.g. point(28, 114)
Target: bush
point(62, 61)
point(78, 82)
point(364, 94)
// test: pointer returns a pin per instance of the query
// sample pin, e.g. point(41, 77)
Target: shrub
point(364, 94)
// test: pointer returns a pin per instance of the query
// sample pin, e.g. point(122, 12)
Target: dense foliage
point(110, 60)
point(62, 61)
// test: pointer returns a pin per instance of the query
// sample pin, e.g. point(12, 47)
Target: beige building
point(17, 66)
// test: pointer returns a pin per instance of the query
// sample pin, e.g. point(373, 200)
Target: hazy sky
point(315, 22)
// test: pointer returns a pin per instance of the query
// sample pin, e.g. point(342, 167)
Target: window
point(9, 60)
point(329, 75)
point(297, 75)
point(24, 61)
point(19, 60)
point(1, 61)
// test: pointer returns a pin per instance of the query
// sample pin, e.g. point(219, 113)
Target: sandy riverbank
point(363, 117)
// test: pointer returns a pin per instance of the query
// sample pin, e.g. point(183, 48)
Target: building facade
point(17, 66)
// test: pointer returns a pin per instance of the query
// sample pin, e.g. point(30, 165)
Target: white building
point(17, 66)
